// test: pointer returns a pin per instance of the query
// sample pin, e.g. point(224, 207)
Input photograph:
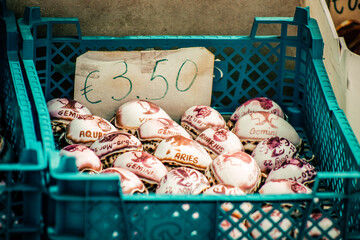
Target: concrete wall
point(161, 17)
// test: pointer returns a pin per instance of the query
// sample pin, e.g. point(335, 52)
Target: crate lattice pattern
point(258, 75)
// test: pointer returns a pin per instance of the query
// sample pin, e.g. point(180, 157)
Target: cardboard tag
point(173, 79)
point(342, 10)
point(352, 110)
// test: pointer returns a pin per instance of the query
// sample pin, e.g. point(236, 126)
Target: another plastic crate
point(286, 68)
point(22, 174)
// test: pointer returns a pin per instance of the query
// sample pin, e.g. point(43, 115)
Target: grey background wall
point(161, 17)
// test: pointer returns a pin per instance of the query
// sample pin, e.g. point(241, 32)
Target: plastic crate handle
point(32, 18)
point(302, 16)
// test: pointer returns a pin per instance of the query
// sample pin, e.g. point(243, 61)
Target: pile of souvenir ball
point(255, 151)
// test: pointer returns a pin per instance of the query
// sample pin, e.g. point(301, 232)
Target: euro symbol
point(87, 90)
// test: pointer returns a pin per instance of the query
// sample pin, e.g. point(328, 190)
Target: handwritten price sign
point(173, 79)
point(342, 10)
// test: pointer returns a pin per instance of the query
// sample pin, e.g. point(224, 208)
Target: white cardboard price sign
point(173, 79)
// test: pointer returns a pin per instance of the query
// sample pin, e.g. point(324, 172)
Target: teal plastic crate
point(285, 67)
point(22, 174)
